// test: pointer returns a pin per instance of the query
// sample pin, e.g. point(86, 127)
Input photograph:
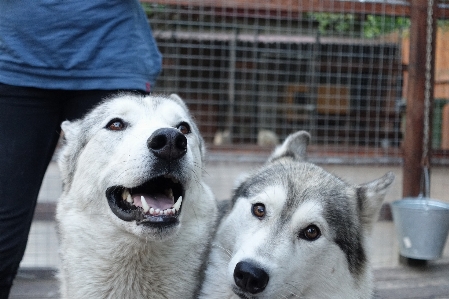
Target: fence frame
point(415, 9)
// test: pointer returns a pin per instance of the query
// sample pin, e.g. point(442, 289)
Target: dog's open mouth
point(158, 201)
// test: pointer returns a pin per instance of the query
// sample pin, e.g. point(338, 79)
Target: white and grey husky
point(295, 231)
point(135, 217)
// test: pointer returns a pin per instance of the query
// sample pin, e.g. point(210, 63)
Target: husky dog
point(295, 231)
point(135, 217)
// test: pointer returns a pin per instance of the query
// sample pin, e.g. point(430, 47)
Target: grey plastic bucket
point(422, 225)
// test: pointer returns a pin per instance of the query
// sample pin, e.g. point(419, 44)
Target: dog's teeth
point(173, 211)
point(125, 194)
point(164, 212)
point(178, 203)
point(129, 198)
point(145, 206)
point(151, 211)
point(169, 193)
point(157, 211)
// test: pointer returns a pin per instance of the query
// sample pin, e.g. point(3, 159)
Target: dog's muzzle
point(157, 201)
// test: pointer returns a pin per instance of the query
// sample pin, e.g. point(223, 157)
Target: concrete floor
point(42, 250)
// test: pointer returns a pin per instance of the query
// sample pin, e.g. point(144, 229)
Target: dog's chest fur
point(123, 264)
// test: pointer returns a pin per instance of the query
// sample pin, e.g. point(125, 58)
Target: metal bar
point(413, 145)
point(231, 82)
point(315, 81)
point(255, 86)
point(291, 8)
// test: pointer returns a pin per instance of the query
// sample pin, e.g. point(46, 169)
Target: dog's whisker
point(282, 296)
point(195, 176)
point(292, 287)
point(228, 252)
point(206, 173)
point(285, 291)
point(200, 167)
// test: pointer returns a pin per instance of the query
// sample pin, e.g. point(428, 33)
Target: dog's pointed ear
point(68, 155)
point(295, 146)
point(70, 129)
point(370, 197)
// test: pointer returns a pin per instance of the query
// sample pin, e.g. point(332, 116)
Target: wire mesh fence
point(253, 72)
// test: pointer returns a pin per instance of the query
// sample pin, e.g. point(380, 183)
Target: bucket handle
point(425, 188)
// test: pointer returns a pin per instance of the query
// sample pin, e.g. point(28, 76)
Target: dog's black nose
point(250, 278)
point(168, 144)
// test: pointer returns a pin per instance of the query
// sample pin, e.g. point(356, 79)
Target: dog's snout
point(168, 144)
point(250, 278)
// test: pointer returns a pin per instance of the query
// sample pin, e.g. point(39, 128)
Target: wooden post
point(413, 140)
point(445, 128)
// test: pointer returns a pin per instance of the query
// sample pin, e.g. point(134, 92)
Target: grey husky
point(295, 231)
point(135, 217)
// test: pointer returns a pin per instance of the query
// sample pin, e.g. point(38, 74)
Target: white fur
point(297, 268)
point(104, 256)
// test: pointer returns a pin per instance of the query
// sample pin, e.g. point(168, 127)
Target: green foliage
point(331, 22)
point(378, 25)
point(370, 26)
point(443, 24)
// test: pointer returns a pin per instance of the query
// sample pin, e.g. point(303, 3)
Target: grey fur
point(348, 211)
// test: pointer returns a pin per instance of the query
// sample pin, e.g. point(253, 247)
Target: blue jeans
point(30, 121)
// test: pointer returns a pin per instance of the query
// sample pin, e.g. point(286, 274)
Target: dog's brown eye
point(184, 128)
point(310, 233)
point(116, 124)
point(259, 210)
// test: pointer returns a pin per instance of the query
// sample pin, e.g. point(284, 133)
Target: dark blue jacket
point(77, 45)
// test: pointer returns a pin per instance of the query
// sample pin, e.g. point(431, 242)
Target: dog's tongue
point(156, 201)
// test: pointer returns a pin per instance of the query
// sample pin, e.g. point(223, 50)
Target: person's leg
point(29, 121)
